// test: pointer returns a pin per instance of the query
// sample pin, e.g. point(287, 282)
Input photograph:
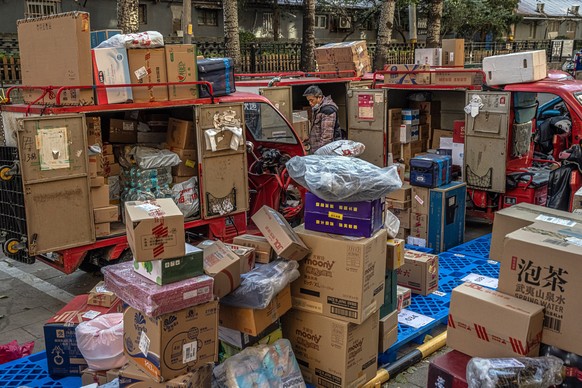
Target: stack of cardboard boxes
point(345, 58)
point(181, 139)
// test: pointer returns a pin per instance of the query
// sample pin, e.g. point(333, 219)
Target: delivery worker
point(324, 127)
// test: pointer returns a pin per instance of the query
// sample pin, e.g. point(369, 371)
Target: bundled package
point(145, 39)
point(100, 341)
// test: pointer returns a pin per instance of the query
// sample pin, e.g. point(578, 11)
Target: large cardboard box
point(188, 165)
point(166, 271)
point(221, 264)
point(331, 352)
point(107, 213)
point(420, 200)
point(60, 339)
point(285, 242)
point(148, 66)
point(446, 218)
point(515, 68)
point(408, 74)
point(172, 344)
point(428, 56)
point(155, 229)
point(453, 52)
point(181, 67)
point(253, 321)
point(541, 264)
point(488, 323)
point(523, 214)
point(394, 253)
point(110, 67)
point(100, 197)
point(263, 250)
point(131, 377)
point(342, 52)
point(181, 134)
point(342, 278)
point(100, 296)
point(388, 331)
point(420, 272)
point(39, 41)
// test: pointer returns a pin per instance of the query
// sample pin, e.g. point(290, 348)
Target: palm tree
point(308, 45)
point(231, 36)
point(433, 25)
point(128, 16)
point(384, 36)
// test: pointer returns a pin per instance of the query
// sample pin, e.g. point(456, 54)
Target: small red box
point(448, 370)
point(459, 131)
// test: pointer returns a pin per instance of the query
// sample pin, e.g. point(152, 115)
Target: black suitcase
point(220, 73)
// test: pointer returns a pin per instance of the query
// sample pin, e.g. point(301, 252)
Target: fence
point(9, 70)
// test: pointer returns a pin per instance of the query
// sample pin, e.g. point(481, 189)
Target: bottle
point(531, 372)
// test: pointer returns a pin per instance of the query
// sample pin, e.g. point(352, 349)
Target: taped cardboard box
point(342, 278)
point(453, 52)
point(420, 272)
point(155, 229)
point(181, 67)
point(392, 204)
point(388, 331)
point(188, 165)
point(394, 253)
point(172, 344)
point(420, 200)
point(301, 124)
point(403, 216)
point(148, 66)
point(331, 352)
point(402, 194)
point(107, 213)
point(100, 296)
point(285, 242)
point(132, 377)
point(181, 134)
point(342, 52)
point(541, 264)
point(408, 74)
point(166, 271)
point(263, 251)
point(221, 264)
point(246, 256)
point(475, 327)
point(403, 297)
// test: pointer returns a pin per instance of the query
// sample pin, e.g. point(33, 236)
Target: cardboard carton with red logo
point(223, 265)
point(486, 323)
point(155, 229)
point(420, 272)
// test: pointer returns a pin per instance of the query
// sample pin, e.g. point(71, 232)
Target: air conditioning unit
point(575, 9)
point(540, 7)
point(345, 22)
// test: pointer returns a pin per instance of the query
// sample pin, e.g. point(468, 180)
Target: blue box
point(100, 36)
point(446, 219)
point(430, 170)
point(356, 219)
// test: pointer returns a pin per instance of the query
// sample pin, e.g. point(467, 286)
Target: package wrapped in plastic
point(100, 341)
point(140, 184)
point(259, 286)
point(185, 195)
point(531, 372)
point(145, 39)
point(154, 300)
point(391, 223)
point(148, 158)
point(342, 148)
point(337, 178)
point(262, 366)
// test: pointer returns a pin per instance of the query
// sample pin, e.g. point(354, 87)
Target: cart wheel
point(10, 247)
point(4, 173)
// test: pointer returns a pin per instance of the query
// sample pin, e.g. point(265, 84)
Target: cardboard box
point(60, 339)
point(420, 200)
point(408, 74)
point(446, 218)
point(103, 229)
point(357, 219)
point(285, 242)
point(342, 52)
point(148, 66)
point(419, 225)
point(331, 352)
point(181, 67)
point(171, 344)
point(342, 278)
point(412, 149)
point(166, 271)
point(388, 331)
point(94, 133)
point(392, 204)
point(263, 251)
point(246, 256)
point(100, 196)
point(221, 264)
point(110, 67)
point(420, 272)
point(301, 125)
point(68, 35)
point(181, 134)
point(90, 376)
point(122, 131)
point(402, 194)
point(403, 216)
point(112, 170)
point(92, 168)
point(515, 68)
point(96, 181)
point(100, 296)
point(253, 321)
point(107, 149)
point(448, 370)
point(394, 253)
point(189, 159)
point(524, 214)
point(541, 264)
point(428, 56)
point(132, 377)
point(453, 52)
point(456, 77)
point(436, 137)
point(154, 138)
point(403, 297)
point(403, 233)
point(240, 340)
point(475, 327)
point(155, 229)
point(107, 213)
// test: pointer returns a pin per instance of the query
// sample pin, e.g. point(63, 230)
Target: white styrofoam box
point(428, 56)
point(515, 68)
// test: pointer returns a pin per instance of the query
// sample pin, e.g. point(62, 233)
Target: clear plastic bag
point(342, 148)
point(262, 366)
point(148, 158)
point(338, 178)
point(259, 286)
point(391, 223)
point(531, 372)
point(146, 39)
point(100, 341)
point(185, 195)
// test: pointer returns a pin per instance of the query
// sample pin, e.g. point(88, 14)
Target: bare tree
point(128, 16)
point(384, 37)
point(308, 44)
point(433, 25)
point(231, 36)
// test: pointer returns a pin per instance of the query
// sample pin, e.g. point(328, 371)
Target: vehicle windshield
point(266, 124)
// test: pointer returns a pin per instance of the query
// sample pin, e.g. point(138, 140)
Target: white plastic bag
point(185, 195)
point(148, 158)
point(100, 341)
point(392, 224)
point(146, 39)
point(342, 148)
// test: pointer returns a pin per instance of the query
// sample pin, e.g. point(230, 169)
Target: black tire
point(94, 260)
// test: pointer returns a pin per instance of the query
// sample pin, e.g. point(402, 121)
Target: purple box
point(357, 219)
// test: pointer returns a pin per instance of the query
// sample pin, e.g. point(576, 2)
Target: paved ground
point(31, 294)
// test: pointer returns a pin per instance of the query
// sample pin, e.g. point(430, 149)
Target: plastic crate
point(32, 372)
point(478, 247)
point(418, 248)
point(457, 266)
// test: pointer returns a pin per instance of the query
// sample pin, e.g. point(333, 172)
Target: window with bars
point(268, 21)
point(207, 17)
point(37, 8)
point(320, 21)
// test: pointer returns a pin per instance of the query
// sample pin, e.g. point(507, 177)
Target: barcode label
point(553, 324)
point(144, 343)
point(555, 220)
point(326, 384)
point(557, 242)
point(343, 312)
point(189, 351)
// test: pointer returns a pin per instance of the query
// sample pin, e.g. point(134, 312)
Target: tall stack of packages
point(346, 59)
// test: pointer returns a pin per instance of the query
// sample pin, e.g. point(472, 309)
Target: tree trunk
point(384, 37)
point(433, 25)
point(231, 37)
point(128, 16)
point(308, 44)
point(276, 20)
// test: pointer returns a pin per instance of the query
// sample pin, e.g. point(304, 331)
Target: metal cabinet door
point(367, 109)
point(281, 97)
point(54, 168)
point(493, 117)
point(375, 142)
point(485, 163)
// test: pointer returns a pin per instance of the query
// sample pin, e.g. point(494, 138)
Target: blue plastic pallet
point(478, 247)
point(457, 265)
point(32, 372)
point(418, 248)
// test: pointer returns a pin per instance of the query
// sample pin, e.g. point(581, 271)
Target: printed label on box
point(144, 343)
point(412, 319)
point(189, 351)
